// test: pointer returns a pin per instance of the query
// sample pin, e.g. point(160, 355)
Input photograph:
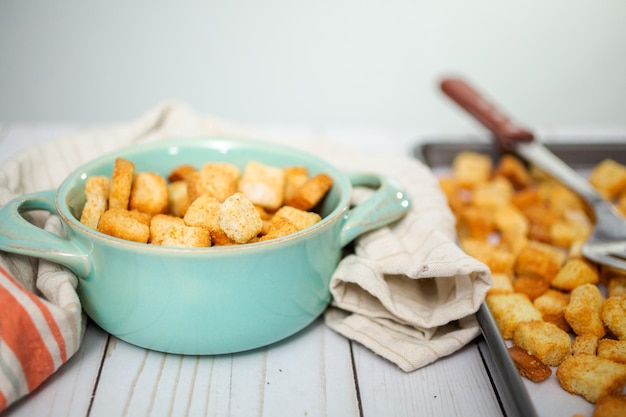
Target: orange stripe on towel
point(3, 402)
point(21, 336)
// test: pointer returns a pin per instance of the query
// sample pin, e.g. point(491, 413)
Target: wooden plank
point(455, 385)
point(310, 373)
point(68, 391)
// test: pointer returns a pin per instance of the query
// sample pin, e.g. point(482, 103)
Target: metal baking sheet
point(520, 397)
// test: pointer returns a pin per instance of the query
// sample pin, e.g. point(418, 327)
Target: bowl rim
point(223, 144)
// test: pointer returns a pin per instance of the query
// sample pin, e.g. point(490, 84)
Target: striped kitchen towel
point(40, 327)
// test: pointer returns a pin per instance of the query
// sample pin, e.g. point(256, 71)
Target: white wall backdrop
point(371, 64)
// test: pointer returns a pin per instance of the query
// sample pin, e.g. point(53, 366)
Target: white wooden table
point(313, 373)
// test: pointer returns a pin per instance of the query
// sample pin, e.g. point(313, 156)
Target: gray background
point(372, 64)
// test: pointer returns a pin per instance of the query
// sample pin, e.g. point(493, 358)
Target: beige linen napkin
point(408, 292)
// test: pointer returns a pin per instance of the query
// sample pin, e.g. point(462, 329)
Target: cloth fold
point(407, 292)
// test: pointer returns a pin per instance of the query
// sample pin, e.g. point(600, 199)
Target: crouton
point(124, 224)
point(203, 212)
point(616, 286)
point(529, 366)
point(585, 344)
point(583, 313)
point(544, 340)
point(614, 315)
point(300, 218)
point(121, 183)
point(278, 228)
point(509, 310)
point(471, 168)
point(552, 305)
point(574, 273)
point(563, 233)
point(217, 179)
point(610, 406)
point(511, 168)
point(181, 173)
point(264, 185)
point(159, 226)
point(474, 222)
point(510, 219)
point(238, 218)
point(97, 200)
point(591, 377)
point(149, 193)
point(311, 192)
point(495, 193)
point(614, 350)
point(502, 284)
point(178, 198)
point(532, 286)
point(540, 260)
point(608, 177)
point(295, 177)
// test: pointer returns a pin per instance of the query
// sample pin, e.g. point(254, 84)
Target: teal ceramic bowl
point(206, 300)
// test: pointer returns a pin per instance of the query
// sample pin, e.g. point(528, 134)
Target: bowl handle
point(17, 235)
point(388, 204)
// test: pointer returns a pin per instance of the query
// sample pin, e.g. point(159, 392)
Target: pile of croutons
point(556, 308)
point(212, 205)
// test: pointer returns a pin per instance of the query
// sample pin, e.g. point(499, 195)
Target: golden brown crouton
point(614, 350)
point(584, 310)
point(509, 219)
point(509, 310)
point(167, 230)
point(544, 340)
point(278, 228)
point(609, 178)
point(203, 212)
point(514, 170)
point(585, 344)
point(552, 305)
point(121, 183)
point(149, 193)
point(311, 192)
point(513, 242)
point(300, 218)
point(564, 233)
point(181, 173)
point(239, 219)
point(502, 284)
point(614, 315)
point(264, 185)
point(540, 260)
point(474, 222)
point(217, 179)
point(575, 273)
point(295, 177)
point(494, 193)
point(532, 286)
point(529, 366)
point(610, 406)
point(471, 168)
point(124, 224)
point(591, 377)
point(616, 286)
point(178, 198)
point(181, 235)
point(159, 226)
point(97, 195)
